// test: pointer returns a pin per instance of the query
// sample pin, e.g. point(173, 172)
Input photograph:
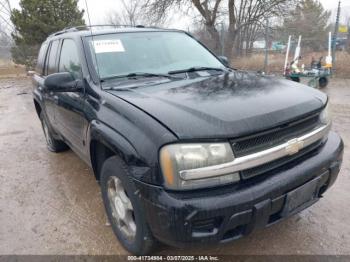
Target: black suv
point(187, 150)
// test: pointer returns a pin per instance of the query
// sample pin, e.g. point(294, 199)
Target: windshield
point(147, 52)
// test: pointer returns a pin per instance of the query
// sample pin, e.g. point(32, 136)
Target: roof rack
point(89, 27)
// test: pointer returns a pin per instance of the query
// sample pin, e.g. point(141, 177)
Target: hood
point(226, 106)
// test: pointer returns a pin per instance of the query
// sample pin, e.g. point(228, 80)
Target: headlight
point(325, 116)
point(180, 157)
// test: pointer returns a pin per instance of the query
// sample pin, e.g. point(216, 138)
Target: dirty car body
point(213, 153)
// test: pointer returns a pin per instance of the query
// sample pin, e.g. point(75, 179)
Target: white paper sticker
point(108, 46)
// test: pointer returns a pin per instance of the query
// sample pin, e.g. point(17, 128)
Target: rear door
point(49, 97)
point(70, 105)
point(38, 77)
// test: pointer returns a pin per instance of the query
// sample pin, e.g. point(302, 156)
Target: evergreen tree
point(310, 20)
point(36, 20)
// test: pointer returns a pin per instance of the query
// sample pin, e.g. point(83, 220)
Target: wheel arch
point(105, 143)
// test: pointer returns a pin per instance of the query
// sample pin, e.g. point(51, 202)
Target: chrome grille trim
point(253, 160)
point(275, 136)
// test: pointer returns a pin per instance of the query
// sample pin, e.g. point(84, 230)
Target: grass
point(255, 62)
point(10, 69)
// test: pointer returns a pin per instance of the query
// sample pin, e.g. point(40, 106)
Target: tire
point(135, 236)
point(52, 144)
point(323, 82)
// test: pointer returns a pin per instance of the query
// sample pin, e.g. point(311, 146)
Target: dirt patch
point(51, 204)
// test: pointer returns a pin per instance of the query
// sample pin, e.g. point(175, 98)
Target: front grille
point(259, 142)
point(255, 171)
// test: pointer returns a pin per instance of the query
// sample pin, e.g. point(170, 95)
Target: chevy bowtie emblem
point(294, 146)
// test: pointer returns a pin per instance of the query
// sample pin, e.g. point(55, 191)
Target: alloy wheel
point(122, 209)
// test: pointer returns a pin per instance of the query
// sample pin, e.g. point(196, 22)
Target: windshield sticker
point(108, 46)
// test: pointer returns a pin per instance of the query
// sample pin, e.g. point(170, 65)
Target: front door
point(70, 105)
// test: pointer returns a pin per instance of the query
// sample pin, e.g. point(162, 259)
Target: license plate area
point(301, 198)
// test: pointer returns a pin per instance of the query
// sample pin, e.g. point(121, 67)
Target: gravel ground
point(50, 203)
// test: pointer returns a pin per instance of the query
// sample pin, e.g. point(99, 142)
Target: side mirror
point(224, 60)
point(62, 82)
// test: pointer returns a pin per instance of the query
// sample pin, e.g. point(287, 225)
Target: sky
point(333, 4)
point(99, 9)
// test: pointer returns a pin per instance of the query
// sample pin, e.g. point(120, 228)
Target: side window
point(51, 59)
point(41, 59)
point(69, 59)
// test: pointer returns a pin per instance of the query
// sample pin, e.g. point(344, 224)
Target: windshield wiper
point(131, 75)
point(194, 69)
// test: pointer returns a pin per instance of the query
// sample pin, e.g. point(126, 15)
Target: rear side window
point(41, 59)
point(69, 59)
point(51, 59)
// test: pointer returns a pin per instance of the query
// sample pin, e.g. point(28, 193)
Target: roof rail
point(88, 27)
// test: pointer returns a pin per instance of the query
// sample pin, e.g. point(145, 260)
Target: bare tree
point(251, 16)
point(132, 13)
point(244, 18)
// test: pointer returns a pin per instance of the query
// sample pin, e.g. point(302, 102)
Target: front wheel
point(123, 207)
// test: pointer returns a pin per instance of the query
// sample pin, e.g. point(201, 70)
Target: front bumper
point(228, 213)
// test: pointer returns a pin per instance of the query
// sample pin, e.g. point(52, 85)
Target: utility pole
point(335, 35)
point(348, 43)
point(266, 46)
